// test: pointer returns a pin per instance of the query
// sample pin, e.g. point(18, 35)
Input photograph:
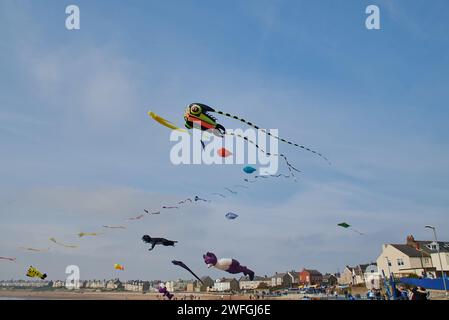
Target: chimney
point(411, 242)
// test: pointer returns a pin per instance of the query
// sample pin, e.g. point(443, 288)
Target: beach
point(91, 295)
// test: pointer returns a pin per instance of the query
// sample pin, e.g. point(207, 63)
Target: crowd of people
point(415, 293)
point(401, 293)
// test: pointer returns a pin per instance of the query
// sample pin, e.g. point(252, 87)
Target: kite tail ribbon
point(289, 165)
point(272, 135)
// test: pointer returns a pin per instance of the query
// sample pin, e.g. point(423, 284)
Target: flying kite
point(114, 227)
point(182, 265)
point(62, 244)
point(199, 199)
point(231, 191)
point(118, 267)
point(219, 194)
point(165, 292)
point(155, 241)
point(146, 211)
point(268, 176)
point(93, 234)
point(34, 249)
point(224, 153)
point(249, 169)
point(165, 122)
point(197, 115)
point(228, 265)
point(136, 218)
point(34, 273)
point(348, 226)
point(279, 175)
point(170, 207)
point(8, 258)
point(186, 200)
point(231, 215)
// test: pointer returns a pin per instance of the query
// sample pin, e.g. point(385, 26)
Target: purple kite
point(227, 264)
point(164, 291)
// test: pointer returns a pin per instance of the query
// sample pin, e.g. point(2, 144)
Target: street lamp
point(439, 257)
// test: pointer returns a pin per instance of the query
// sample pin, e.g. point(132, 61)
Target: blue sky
point(79, 151)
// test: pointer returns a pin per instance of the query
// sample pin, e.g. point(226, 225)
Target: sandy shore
point(90, 295)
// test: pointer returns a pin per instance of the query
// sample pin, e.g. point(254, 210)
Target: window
point(400, 262)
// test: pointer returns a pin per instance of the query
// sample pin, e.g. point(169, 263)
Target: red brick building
point(310, 277)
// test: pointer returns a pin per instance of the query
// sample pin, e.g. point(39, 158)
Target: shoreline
point(92, 295)
point(27, 294)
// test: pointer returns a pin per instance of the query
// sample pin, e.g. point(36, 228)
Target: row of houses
point(289, 279)
point(418, 258)
point(413, 258)
point(427, 259)
point(114, 284)
point(23, 284)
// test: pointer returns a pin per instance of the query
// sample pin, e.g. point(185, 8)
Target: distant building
point(226, 284)
point(246, 284)
point(24, 284)
point(170, 285)
point(347, 276)
point(294, 275)
point(114, 284)
point(329, 280)
point(207, 285)
point(370, 271)
point(192, 286)
point(137, 286)
point(414, 257)
point(58, 284)
point(196, 286)
point(95, 284)
point(283, 280)
point(308, 277)
point(356, 275)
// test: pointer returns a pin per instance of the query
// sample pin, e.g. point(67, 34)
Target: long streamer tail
point(271, 135)
point(360, 233)
point(289, 165)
